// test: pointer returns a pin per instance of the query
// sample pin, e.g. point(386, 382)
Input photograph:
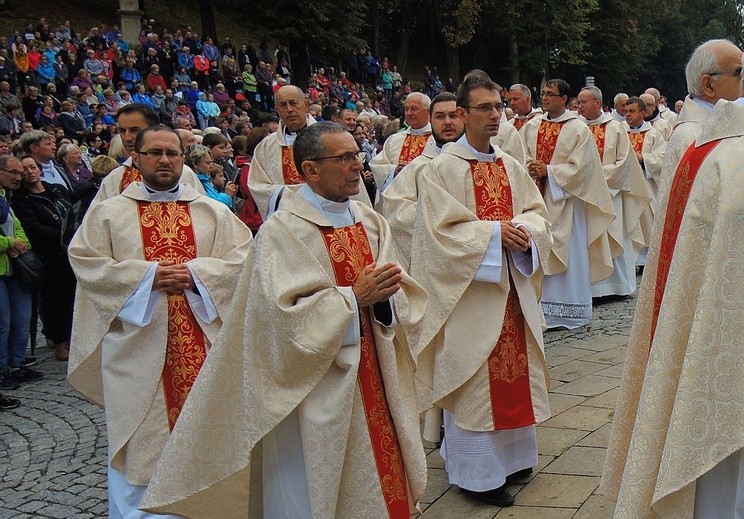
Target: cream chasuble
point(520, 120)
point(581, 211)
point(662, 126)
point(112, 253)
point(283, 356)
point(510, 142)
point(399, 148)
point(274, 175)
point(683, 355)
point(119, 179)
point(399, 203)
point(630, 198)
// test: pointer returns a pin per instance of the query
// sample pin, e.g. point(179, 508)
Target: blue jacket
point(212, 191)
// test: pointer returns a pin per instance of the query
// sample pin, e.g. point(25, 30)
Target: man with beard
point(401, 197)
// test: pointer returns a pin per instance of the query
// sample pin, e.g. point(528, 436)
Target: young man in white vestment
point(563, 160)
point(479, 242)
point(156, 267)
point(675, 447)
point(310, 388)
point(130, 120)
point(627, 185)
point(400, 198)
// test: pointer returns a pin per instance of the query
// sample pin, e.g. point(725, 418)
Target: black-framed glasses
point(13, 172)
point(156, 154)
point(346, 159)
point(487, 107)
point(733, 73)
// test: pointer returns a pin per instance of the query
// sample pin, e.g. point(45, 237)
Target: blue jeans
point(15, 316)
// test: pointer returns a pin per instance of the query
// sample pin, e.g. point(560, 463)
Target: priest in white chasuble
point(401, 197)
point(627, 185)
point(156, 267)
point(677, 434)
point(520, 101)
point(273, 175)
point(130, 120)
point(510, 141)
point(653, 116)
point(309, 389)
point(480, 239)
point(563, 160)
point(713, 73)
point(402, 147)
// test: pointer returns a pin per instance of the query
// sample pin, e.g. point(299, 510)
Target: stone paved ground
point(53, 447)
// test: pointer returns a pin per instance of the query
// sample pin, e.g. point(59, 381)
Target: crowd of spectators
point(61, 91)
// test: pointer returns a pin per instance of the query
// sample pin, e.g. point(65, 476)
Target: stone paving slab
point(53, 447)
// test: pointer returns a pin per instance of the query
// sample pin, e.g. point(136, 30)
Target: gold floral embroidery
point(413, 146)
point(599, 131)
point(289, 170)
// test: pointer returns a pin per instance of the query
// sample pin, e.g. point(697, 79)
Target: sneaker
point(24, 374)
point(30, 361)
point(7, 381)
point(7, 404)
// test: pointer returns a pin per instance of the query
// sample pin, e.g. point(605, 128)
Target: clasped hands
point(537, 169)
point(515, 238)
point(171, 277)
point(376, 284)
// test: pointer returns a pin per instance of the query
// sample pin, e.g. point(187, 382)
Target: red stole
point(599, 131)
point(289, 170)
point(349, 252)
point(684, 178)
point(131, 174)
point(636, 139)
point(413, 146)
point(521, 121)
point(167, 233)
point(508, 366)
point(547, 138)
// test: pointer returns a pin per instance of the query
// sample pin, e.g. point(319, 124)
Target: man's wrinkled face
point(519, 102)
point(415, 114)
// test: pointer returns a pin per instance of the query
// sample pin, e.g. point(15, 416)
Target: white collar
point(420, 131)
point(170, 195)
point(338, 213)
point(482, 157)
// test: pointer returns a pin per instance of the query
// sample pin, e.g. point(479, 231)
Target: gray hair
point(704, 60)
point(622, 96)
point(309, 142)
point(424, 99)
point(596, 92)
point(523, 89)
point(64, 150)
point(32, 138)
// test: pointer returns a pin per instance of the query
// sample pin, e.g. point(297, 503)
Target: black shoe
point(518, 475)
point(7, 404)
point(30, 361)
point(7, 381)
point(496, 497)
point(24, 374)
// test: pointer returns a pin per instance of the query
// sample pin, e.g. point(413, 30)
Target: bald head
point(292, 107)
point(187, 137)
point(650, 103)
point(655, 93)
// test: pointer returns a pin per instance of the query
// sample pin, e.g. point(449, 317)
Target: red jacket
point(201, 64)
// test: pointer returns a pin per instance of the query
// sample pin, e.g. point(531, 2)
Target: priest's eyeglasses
point(346, 159)
point(733, 73)
point(487, 107)
point(156, 154)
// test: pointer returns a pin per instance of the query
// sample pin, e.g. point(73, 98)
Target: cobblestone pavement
point(53, 447)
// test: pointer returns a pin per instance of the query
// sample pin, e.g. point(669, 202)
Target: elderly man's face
point(415, 113)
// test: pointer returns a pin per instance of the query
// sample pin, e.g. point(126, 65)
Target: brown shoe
point(62, 351)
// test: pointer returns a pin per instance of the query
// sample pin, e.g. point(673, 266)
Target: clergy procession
point(405, 299)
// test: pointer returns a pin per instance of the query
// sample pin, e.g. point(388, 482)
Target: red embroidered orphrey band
point(547, 138)
point(289, 170)
point(636, 139)
point(130, 175)
point(413, 146)
point(349, 252)
point(599, 131)
point(508, 366)
point(684, 178)
point(168, 233)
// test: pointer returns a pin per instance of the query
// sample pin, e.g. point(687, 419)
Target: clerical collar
point(645, 125)
point(482, 157)
point(421, 131)
point(654, 116)
point(338, 213)
point(705, 105)
point(598, 120)
point(170, 195)
point(564, 116)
